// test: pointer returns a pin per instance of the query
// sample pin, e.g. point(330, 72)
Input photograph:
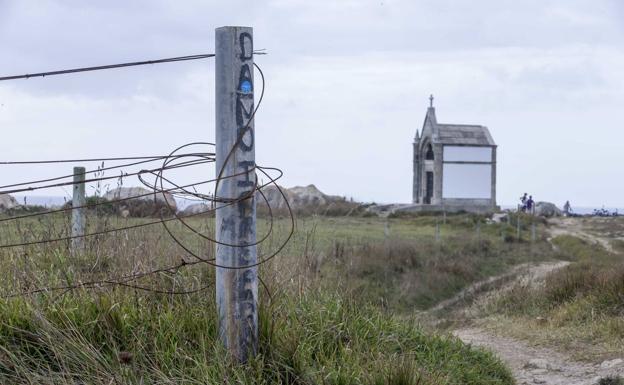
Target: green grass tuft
point(317, 339)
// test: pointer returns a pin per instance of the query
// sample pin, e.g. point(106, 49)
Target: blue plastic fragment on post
point(245, 86)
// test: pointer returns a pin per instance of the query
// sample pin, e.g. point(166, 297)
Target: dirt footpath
point(574, 227)
point(531, 365)
point(539, 365)
point(482, 291)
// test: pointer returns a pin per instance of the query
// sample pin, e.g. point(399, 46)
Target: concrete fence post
point(78, 222)
point(237, 286)
point(437, 232)
point(533, 232)
point(479, 231)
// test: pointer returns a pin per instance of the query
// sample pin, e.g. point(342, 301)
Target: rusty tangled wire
point(173, 160)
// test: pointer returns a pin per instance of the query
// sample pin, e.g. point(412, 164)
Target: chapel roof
point(464, 134)
point(454, 134)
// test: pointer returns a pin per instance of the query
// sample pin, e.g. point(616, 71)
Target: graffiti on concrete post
point(237, 289)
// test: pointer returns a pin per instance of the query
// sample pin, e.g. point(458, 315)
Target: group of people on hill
point(527, 203)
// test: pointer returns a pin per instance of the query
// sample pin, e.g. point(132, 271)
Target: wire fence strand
point(158, 189)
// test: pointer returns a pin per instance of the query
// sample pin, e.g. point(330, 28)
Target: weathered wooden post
point(78, 222)
point(518, 228)
point(236, 287)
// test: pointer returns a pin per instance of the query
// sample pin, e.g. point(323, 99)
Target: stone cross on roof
point(430, 100)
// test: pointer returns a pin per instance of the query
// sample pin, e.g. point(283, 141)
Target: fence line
point(157, 188)
point(163, 221)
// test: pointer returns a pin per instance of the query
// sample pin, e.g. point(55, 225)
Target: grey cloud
point(356, 72)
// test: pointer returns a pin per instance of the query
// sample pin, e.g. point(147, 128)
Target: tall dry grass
point(321, 321)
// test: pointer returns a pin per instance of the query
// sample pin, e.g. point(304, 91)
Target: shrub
point(599, 280)
point(611, 380)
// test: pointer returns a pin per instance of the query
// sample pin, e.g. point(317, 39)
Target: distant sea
point(50, 201)
point(582, 210)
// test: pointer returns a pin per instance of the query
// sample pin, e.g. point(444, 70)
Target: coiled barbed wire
point(172, 161)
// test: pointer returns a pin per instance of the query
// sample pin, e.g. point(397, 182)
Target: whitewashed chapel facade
point(454, 167)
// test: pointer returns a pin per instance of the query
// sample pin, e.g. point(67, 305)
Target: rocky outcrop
point(310, 195)
point(547, 209)
point(7, 202)
point(499, 218)
point(146, 204)
point(304, 200)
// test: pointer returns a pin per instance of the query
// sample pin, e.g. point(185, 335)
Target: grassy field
point(409, 269)
point(335, 309)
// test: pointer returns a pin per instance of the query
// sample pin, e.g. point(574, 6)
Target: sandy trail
point(574, 227)
point(529, 364)
point(481, 291)
point(532, 365)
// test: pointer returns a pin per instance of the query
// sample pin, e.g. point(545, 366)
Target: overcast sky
point(347, 87)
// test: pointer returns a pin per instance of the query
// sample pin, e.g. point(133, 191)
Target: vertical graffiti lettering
point(245, 166)
point(246, 46)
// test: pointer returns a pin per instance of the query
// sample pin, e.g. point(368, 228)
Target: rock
point(7, 202)
point(547, 209)
point(197, 209)
point(609, 364)
point(298, 197)
point(384, 210)
point(541, 320)
point(128, 192)
point(310, 195)
point(538, 363)
point(272, 196)
point(500, 217)
point(146, 204)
